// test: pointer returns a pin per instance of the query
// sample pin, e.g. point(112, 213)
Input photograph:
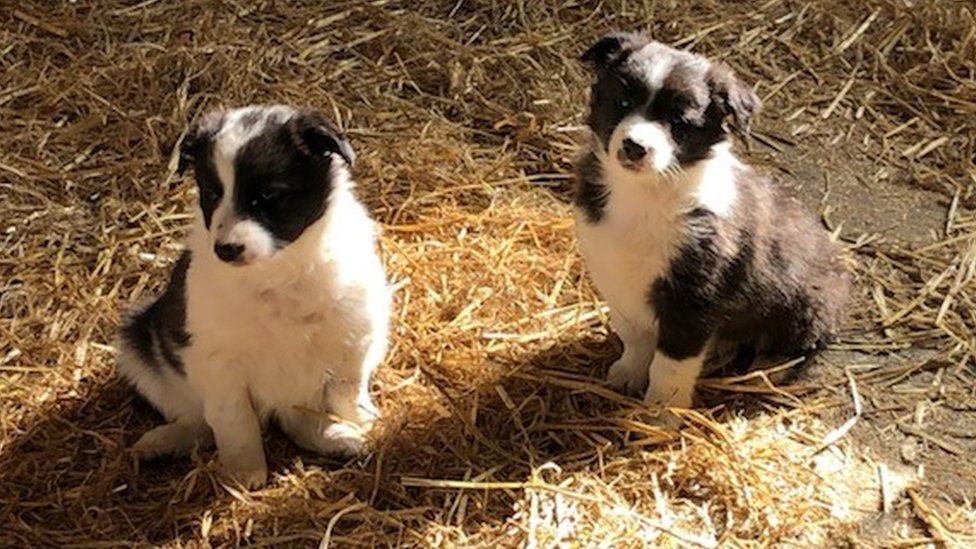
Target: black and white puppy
point(692, 250)
point(278, 308)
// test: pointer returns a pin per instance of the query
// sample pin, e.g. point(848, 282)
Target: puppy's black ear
point(609, 48)
point(199, 134)
point(188, 150)
point(731, 96)
point(315, 136)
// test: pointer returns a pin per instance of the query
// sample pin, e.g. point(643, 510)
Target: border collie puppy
point(279, 308)
point(692, 250)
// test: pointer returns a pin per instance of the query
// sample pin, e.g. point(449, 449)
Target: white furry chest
point(284, 340)
point(631, 247)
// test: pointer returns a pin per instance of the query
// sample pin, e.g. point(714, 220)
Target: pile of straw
point(466, 115)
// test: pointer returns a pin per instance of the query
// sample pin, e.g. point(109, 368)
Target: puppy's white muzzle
point(639, 144)
point(242, 242)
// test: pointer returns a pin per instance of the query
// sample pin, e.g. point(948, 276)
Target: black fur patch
point(615, 95)
point(775, 288)
point(694, 140)
point(282, 176)
point(162, 326)
point(591, 193)
point(197, 150)
point(279, 186)
point(686, 299)
point(776, 257)
point(209, 187)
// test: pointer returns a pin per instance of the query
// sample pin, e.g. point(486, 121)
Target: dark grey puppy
point(693, 250)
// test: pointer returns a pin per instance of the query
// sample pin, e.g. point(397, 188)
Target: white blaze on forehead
point(224, 213)
point(650, 135)
point(239, 127)
point(654, 61)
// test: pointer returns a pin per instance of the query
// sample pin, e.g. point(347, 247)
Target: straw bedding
point(466, 115)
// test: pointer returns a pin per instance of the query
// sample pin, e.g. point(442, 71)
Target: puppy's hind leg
point(347, 394)
point(170, 393)
point(350, 412)
point(177, 438)
point(319, 433)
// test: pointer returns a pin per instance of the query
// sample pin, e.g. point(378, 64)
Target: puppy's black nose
point(228, 252)
point(633, 150)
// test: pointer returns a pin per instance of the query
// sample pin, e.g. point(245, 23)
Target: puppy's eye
point(265, 197)
point(212, 194)
point(624, 103)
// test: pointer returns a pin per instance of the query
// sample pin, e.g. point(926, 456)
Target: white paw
point(249, 473)
point(664, 401)
point(627, 378)
point(342, 440)
point(172, 439)
point(666, 419)
point(368, 413)
point(152, 444)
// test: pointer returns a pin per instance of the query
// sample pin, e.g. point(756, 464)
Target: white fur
point(651, 135)
point(672, 384)
point(716, 189)
point(655, 67)
point(633, 245)
point(258, 243)
point(295, 336)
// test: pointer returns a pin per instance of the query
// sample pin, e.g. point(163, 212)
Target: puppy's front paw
point(627, 378)
point(667, 419)
point(663, 401)
point(368, 413)
point(154, 443)
point(173, 439)
point(342, 440)
point(249, 473)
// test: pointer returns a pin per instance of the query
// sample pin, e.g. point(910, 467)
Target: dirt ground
point(497, 429)
point(834, 181)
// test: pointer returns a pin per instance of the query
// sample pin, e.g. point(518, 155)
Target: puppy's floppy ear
point(315, 136)
point(732, 96)
point(188, 150)
point(609, 47)
point(199, 134)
